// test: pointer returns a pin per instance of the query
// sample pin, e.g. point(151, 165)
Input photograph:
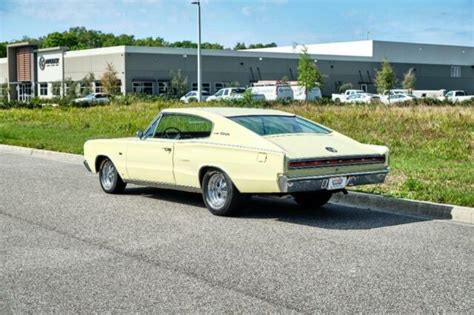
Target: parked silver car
point(94, 98)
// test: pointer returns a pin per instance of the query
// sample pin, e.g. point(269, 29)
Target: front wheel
point(311, 200)
point(219, 193)
point(110, 180)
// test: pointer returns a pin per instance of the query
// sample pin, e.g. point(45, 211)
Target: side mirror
point(140, 134)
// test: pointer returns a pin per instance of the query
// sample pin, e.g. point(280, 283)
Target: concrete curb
point(406, 206)
point(45, 154)
point(354, 199)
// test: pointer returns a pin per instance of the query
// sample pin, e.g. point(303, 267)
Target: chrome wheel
point(217, 190)
point(108, 175)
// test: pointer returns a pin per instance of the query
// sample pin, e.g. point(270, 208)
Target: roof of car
point(230, 111)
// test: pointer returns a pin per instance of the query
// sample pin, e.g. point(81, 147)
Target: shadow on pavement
point(330, 216)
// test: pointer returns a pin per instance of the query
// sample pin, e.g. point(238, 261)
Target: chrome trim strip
point(292, 179)
point(164, 186)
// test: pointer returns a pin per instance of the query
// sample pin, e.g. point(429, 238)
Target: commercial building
point(28, 71)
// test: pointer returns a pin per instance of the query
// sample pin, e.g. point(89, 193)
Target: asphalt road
point(65, 246)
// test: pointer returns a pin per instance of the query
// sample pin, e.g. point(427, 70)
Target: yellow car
point(229, 153)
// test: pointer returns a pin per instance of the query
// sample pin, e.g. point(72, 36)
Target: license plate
point(337, 183)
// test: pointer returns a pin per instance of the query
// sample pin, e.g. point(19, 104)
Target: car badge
point(331, 149)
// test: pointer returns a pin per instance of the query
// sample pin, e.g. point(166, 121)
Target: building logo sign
point(51, 62)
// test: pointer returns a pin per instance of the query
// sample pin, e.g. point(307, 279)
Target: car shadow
point(330, 216)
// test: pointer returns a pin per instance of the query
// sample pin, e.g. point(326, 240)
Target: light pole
point(199, 77)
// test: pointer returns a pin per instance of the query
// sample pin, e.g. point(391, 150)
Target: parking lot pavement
point(68, 247)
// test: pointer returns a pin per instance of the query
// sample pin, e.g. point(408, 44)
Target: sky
point(251, 21)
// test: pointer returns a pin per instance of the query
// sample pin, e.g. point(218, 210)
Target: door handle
point(167, 149)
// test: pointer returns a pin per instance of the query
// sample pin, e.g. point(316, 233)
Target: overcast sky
point(249, 21)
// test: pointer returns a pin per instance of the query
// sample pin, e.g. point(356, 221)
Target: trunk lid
point(302, 146)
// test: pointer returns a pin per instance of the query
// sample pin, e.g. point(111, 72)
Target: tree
point(260, 45)
point(3, 49)
point(110, 81)
point(179, 82)
point(409, 80)
point(385, 78)
point(344, 87)
point(239, 46)
point(86, 84)
point(70, 88)
point(308, 74)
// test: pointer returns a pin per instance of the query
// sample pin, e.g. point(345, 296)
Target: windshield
point(274, 125)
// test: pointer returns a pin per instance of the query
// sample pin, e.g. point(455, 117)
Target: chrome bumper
point(313, 183)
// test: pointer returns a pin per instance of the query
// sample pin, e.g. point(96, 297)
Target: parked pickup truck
point(456, 96)
point(227, 93)
point(346, 97)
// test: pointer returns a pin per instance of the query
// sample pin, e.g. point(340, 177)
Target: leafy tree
point(3, 49)
point(385, 78)
point(233, 84)
point(110, 80)
point(308, 74)
point(56, 87)
point(179, 82)
point(70, 87)
point(86, 84)
point(239, 46)
point(409, 80)
point(344, 87)
point(260, 45)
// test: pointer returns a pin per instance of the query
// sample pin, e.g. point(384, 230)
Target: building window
point(163, 87)
point(205, 87)
point(455, 71)
point(218, 86)
point(43, 89)
point(98, 87)
point(143, 88)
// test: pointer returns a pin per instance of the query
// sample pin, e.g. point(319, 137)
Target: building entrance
point(24, 92)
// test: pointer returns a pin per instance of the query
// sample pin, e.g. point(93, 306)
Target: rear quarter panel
point(251, 170)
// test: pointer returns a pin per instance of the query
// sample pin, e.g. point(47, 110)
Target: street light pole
point(199, 77)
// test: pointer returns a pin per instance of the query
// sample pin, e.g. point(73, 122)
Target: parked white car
point(273, 92)
point(192, 96)
point(396, 98)
point(365, 98)
point(300, 95)
point(344, 97)
point(456, 96)
point(93, 98)
point(227, 94)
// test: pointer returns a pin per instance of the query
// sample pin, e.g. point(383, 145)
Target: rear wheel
point(219, 193)
point(109, 178)
point(311, 200)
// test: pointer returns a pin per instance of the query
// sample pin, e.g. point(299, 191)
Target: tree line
point(82, 38)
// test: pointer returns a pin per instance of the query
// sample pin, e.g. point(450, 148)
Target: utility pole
point(199, 76)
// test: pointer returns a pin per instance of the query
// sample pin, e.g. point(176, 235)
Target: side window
point(219, 93)
point(226, 92)
point(176, 126)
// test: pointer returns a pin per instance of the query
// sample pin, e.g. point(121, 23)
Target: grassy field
point(431, 146)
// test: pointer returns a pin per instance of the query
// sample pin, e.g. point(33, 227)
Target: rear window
point(274, 125)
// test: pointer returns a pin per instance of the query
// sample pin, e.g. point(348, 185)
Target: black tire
point(223, 202)
point(313, 199)
point(109, 178)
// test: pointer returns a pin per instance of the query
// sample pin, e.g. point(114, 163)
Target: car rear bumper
point(314, 183)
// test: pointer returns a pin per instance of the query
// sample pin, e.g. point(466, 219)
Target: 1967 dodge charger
point(229, 153)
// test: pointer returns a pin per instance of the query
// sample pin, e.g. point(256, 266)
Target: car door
point(150, 158)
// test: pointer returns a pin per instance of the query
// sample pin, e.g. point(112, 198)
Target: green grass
point(431, 146)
